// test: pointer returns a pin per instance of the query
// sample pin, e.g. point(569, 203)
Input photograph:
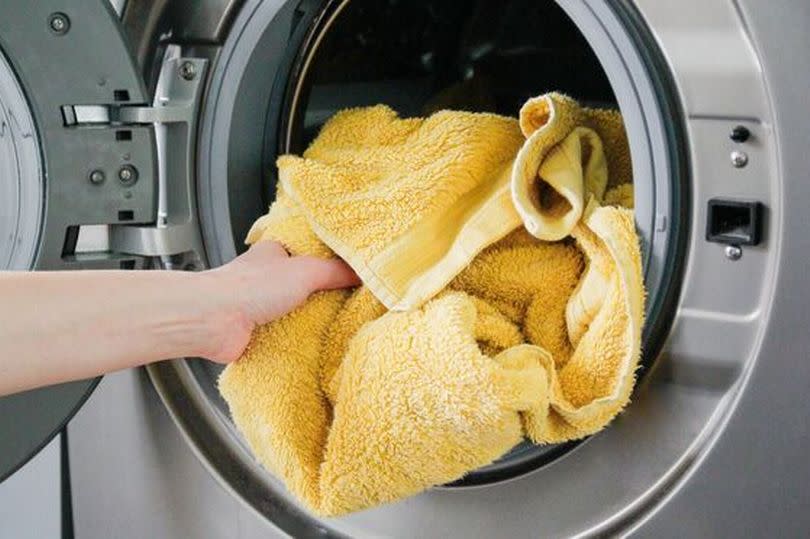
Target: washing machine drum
point(160, 153)
point(417, 57)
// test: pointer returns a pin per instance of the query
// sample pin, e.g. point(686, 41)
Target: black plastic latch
point(734, 222)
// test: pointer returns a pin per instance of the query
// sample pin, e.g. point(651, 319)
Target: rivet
point(97, 177)
point(739, 159)
point(734, 252)
point(59, 23)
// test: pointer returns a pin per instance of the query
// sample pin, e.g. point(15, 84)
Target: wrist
point(224, 326)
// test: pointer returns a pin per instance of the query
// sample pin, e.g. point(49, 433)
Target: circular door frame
point(661, 223)
point(229, 460)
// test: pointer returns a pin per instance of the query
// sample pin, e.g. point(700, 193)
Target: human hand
point(261, 285)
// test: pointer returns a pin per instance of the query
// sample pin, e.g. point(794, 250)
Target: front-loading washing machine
point(145, 137)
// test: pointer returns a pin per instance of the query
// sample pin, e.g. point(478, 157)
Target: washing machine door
point(293, 64)
point(81, 185)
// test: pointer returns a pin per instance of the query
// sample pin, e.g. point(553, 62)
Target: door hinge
point(173, 116)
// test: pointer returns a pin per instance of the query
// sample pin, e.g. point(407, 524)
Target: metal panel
point(124, 436)
point(30, 504)
point(754, 481)
point(186, 22)
point(72, 53)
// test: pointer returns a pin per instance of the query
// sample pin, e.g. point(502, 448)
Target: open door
point(65, 163)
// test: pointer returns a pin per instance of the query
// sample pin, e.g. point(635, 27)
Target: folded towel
point(549, 189)
point(496, 336)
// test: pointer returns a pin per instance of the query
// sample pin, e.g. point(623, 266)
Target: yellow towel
point(549, 190)
point(408, 203)
point(506, 336)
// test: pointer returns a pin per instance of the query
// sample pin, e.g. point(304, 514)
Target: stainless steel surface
point(174, 117)
point(135, 477)
point(753, 482)
point(231, 169)
point(86, 114)
point(30, 501)
point(149, 24)
point(118, 5)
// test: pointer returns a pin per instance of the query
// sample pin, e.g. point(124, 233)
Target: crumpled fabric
point(471, 331)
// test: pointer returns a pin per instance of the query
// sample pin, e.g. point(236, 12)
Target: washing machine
point(144, 137)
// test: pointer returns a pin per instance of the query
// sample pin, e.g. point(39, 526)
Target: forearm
point(60, 326)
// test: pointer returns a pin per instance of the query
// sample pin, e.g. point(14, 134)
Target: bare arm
point(61, 326)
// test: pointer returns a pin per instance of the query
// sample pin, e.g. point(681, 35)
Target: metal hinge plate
point(173, 117)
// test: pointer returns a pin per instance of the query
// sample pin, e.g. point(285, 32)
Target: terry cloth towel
point(353, 404)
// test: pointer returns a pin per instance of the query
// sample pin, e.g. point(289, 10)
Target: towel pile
point(502, 299)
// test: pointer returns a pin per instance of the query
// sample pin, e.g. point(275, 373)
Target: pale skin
point(62, 326)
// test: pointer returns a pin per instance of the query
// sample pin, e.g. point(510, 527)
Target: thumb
point(329, 274)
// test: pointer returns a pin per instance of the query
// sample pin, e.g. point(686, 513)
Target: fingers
point(269, 249)
point(316, 273)
point(327, 274)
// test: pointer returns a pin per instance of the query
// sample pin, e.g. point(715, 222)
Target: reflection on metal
point(59, 23)
point(93, 239)
point(86, 114)
point(734, 252)
point(174, 117)
point(148, 22)
point(739, 159)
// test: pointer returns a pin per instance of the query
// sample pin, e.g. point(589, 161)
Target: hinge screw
point(734, 252)
point(128, 175)
point(59, 23)
point(97, 177)
point(188, 70)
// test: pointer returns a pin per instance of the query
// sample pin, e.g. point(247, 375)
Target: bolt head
point(739, 159)
point(188, 70)
point(97, 177)
point(128, 175)
point(734, 252)
point(59, 23)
